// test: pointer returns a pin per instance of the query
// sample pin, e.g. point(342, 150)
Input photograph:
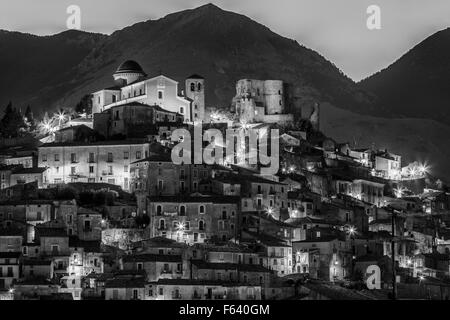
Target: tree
point(85, 104)
point(12, 124)
point(29, 119)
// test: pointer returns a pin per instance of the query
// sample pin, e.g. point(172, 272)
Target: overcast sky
point(336, 29)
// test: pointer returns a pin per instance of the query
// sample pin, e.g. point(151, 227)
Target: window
point(160, 184)
point(125, 168)
point(182, 210)
point(91, 169)
point(192, 86)
point(201, 209)
point(110, 170)
point(162, 224)
point(91, 157)
point(73, 157)
point(201, 225)
point(161, 291)
point(199, 86)
point(72, 170)
point(110, 157)
point(138, 154)
point(181, 110)
point(160, 95)
point(44, 157)
point(158, 210)
point(56, 157)
point(139, 266)
point(55, 249)
point(126, 155)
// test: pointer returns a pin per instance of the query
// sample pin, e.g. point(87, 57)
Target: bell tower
point(195, 90)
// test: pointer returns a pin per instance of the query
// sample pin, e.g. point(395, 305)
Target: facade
point(9, 266)
point(328, 259)
point(134, 120)
point(195, 91)
point(388, 165)
point(186, 289)
point(194, 219)
point(261, 101)
point(133, 86)
point(103, 161)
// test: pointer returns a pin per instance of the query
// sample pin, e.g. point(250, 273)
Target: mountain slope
point(221, 46)
point(37, 70)
point(420, 140)
point(418, 84)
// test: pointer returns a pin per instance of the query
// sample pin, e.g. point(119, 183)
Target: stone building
point(261, 101)
point(194, 219)
point(133, 85)
point(134, 120)
point(195, 91)
point(102, 161)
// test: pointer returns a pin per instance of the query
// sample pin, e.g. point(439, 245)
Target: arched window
point(162, 224)
point(199, 86)
point(201, 209)
point(201, 225)
point(192, 86)
point(182, 210)
point(158, 210)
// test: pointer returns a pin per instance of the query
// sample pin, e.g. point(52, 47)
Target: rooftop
point(95, 143)
point(152, 258)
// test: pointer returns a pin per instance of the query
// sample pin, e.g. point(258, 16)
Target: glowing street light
point(423, 169)
point(180, 227)
point(244, 125)
point(61, 116)
point(351, 230)
point(399, 192)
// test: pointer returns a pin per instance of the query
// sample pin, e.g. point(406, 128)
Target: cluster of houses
point(100, 210)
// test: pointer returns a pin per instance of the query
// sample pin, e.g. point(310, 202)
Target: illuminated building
point(92, 162)
point(133, 85)
point(201, 217)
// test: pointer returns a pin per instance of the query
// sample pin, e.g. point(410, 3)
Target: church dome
point(129, 66)
point(128, 72)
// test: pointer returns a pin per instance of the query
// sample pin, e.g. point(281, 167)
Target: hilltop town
point(92, 205)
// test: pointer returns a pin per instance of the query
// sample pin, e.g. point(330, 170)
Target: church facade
point(132, 85)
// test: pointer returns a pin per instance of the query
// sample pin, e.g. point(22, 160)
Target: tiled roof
point(95, 143)
point(7, 255)
point(266, 239)
point(36, 262)
point(29, 170)
point(152, 258)
point(200, 264)
point(195, 199)
point(88, 246)
point(125, 283)
point(52, 232)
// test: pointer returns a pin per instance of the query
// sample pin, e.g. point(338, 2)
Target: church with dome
point(132, 85)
